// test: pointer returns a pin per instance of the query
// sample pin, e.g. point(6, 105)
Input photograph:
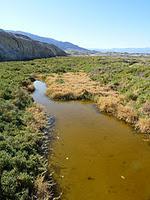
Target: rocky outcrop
point(20, 47)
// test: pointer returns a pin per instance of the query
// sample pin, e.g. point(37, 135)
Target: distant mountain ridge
point(77, 50)
point(20, 47)
point(66, 46)
point(126, 50)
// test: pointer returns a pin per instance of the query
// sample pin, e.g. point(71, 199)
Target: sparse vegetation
point(120, 86)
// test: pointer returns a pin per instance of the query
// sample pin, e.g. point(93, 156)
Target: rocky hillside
point(19, 47)
point(66, 46)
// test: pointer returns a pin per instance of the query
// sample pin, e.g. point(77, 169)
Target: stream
point(95, 156)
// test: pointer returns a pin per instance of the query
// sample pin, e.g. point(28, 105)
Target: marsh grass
point(143, 125)
point(119, 85)
point(42, 188)
point(37, 119)
point(79, 86)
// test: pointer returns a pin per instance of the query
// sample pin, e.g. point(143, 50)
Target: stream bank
point(95, 156)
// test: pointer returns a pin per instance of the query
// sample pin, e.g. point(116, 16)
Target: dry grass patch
point(127, 114)
point(77, 86)
point(38, 118)
point(115, 106)
point(146, 108)
point(73, 86)
point(42, 188)
point(109, 104)
point(143, 125)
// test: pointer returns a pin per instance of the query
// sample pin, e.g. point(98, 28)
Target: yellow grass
point(38, 118)
point(42, 188)
point(143, 125)
point(74, 86)
point(127, 114)
point(109, 104)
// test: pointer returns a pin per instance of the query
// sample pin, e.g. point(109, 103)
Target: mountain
point(15, 46)
point(66, 46)
point(126, 50)
point(132, 50)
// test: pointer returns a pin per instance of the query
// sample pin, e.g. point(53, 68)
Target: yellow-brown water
point(96, 157)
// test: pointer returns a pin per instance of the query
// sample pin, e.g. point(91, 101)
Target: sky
point(88, 23)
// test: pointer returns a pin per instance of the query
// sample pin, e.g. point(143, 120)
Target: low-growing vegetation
point(79, 86)
point(120, 86)
point(22, 159)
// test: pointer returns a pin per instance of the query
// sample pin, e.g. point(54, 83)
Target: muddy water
point(96, 157)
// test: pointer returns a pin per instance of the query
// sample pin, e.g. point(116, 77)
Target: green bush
point(20, 153)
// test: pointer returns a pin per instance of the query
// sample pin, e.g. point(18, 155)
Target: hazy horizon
point(94, 24)
point(90, 48)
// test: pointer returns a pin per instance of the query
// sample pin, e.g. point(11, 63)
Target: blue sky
point(88, 23)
